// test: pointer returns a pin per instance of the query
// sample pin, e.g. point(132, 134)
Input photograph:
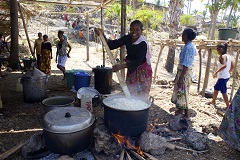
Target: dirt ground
point(21, 120)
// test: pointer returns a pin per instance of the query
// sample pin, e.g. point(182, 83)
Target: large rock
point(152, 143)
point(197, 140)
point(105, 142)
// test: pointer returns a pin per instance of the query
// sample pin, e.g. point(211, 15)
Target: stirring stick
point(121, 81)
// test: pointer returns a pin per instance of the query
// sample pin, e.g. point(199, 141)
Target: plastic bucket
point(27, 63)
point(103, 79)
point(70, 77)
point(81, 79)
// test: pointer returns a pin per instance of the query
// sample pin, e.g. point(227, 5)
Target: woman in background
point(183, 78)
point(46, 55)
point(62, 54)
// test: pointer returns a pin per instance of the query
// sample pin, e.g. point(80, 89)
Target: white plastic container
point(86, 102)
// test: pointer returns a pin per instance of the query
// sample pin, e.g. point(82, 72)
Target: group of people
point(139, 76)
point(43, 48)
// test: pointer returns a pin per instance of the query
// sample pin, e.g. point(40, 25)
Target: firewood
point(137, 155)
point(128, 156)
point(170, 146)
point(122, 154)
point(11, 151)
point(187, 149)
point(174, 139)
point(150, 157)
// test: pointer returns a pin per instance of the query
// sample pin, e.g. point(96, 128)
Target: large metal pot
point(57, 101)
point(68, 130)
point(34, 85)
point(125, 122)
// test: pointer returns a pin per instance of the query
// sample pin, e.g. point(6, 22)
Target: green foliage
point(149, 18)
point(71, 10)
point(187, 20)
point(223, 25)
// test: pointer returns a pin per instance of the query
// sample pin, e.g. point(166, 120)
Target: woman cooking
point(183, 78)
point(139, 74)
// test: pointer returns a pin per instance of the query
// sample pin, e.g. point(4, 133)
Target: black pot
point(125, 122)
point(68, 130)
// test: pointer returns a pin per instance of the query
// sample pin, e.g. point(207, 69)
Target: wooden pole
point(155, 70)
point(104, 57)
point(25, 28)
point(123, 30)
point(87, 37)
point(200, 69)
point(234, 74)
point(205, 83)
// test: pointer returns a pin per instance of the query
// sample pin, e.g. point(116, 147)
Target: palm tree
point(175, 11)
point(214, 7)
point(233, 4)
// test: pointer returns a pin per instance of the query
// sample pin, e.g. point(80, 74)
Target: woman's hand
point(118, 67)
point(215, 75)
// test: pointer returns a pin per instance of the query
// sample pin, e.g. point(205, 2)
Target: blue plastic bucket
point(81, 79)
point(70, 77)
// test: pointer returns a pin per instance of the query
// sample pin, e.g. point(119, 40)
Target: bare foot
point(211, 103)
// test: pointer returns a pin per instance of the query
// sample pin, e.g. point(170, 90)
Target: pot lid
point(101, 68)
point(67, 120)
point(87, 91)
point(34, 73)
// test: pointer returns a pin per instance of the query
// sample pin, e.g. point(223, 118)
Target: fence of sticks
point(204, 45)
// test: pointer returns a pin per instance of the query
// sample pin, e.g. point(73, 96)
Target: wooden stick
point(187, 149)
point(120, 78)
point(11, 151)
point(122, 154)
point(137, 155)
point(128, 156)
point(150, 157)
point(174, 139)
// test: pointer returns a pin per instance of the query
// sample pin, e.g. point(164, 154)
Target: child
point(46, 55)
point(225, 66)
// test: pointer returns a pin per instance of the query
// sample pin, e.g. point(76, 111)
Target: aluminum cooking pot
point(68, 130)
point(57, 102)
point(124, 121)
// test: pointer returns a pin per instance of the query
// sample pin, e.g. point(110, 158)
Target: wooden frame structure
point(208, 45)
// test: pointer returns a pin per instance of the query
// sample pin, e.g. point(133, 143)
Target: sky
point(196, 4)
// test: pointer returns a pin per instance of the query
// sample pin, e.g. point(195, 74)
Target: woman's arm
point(223, 61)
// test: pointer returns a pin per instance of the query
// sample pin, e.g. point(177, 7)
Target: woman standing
point(225, 66)
point(139, 74)
point(183, 78)
point(46, 55)
point(62, 54)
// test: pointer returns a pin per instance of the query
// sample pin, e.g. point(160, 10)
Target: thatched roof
point(5, 17)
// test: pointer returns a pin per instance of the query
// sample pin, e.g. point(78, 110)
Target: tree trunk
point(14, 49)
point(214, 21)
point(175, 11)
point(229, 16)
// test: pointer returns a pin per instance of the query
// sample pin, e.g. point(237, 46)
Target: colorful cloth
point(139, 82)
point(180, 96)
point(229, 129)
point(46, 61)
point(62, 48)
